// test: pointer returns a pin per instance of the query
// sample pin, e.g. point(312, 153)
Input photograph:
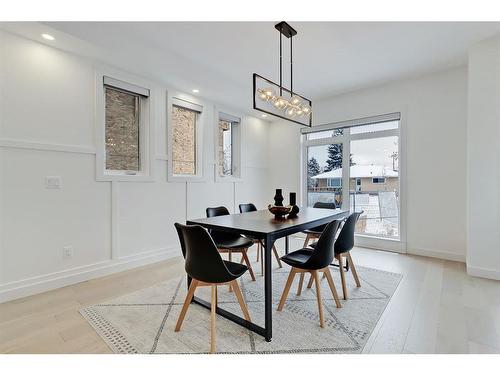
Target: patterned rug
point(144, 321)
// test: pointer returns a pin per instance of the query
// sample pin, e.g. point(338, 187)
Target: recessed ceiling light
point(264, 115)
point(48, 37)
point(196, 91)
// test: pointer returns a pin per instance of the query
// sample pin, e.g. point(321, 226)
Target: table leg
point(287, 245)
point(268, 296)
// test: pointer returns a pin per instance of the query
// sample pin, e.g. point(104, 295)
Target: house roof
point(359, 171)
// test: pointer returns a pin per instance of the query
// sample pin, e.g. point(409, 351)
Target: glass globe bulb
point(295, 100)
point(280, 103)
point(306, 109)
point(290, 112)
point(269, 92)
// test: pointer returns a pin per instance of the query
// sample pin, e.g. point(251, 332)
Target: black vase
point(278, 198)
point(295, 209)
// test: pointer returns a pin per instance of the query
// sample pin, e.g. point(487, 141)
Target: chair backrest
point(329, 205)
point(345, 241)
point(247, 207)
point(323, 251)
point(218, 235)
point(202, 259)
point(217, 211)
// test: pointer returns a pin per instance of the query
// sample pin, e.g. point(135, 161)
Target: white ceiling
point(329, 57)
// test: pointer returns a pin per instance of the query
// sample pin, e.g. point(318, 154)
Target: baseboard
point(40, 284)
point(447, 255)
point(486, 273)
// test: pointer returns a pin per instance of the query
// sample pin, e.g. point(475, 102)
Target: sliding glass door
point(356, 164)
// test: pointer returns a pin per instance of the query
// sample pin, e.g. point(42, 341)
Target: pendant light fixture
point(276, 99)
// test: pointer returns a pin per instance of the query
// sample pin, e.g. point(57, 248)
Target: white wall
point(47, 129)
point(434, 116)
point(483, 160)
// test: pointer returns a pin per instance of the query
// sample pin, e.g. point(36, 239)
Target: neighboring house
point(364, 178)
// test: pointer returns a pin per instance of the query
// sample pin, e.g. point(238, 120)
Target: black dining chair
point(205, 267)
point(230, 242)
point(343, 246)
point(306, 261)
point(250, 207)
point(315, 232)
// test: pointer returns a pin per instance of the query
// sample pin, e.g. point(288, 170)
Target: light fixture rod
point(281, 66)
point(291, 67)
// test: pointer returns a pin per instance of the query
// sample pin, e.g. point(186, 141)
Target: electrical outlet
point(67, 252)
point(53, 182)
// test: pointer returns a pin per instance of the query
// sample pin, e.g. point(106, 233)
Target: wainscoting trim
point(46, 146)
point(39, 284)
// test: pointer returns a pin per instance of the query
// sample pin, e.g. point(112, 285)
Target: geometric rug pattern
point(144, 321)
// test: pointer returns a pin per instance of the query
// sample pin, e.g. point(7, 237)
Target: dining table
point(263, 225)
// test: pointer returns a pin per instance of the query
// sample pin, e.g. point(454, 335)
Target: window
point(356, 163)
point(122, 130)
point(185, 145)
point(324, 174)
point(123, 133)
point(225, 148)
point(326, 134)
point(334, 182)
point(228, 144)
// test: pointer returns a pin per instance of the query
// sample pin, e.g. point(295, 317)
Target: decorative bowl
point(279, 211)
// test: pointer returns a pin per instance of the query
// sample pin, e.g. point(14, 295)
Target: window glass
point(184, 140)
point(389, 125)
point(122, 112)
point(325, 134)
point(324, 174)
point(377, 197)
point(225, 145)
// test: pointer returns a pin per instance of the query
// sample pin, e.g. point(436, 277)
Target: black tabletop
point(263, 223)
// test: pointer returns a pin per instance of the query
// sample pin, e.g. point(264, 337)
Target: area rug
point(144, 321)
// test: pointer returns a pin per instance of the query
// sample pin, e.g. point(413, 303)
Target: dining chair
point(230, 242)
point(343, 246)
point(250, 207)
point(318, 260)
point(205, 267)
point(315, 232)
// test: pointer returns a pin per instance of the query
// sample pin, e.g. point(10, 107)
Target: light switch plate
point(53, 182)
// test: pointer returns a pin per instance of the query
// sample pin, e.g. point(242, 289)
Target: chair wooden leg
point(212, 318)
point(310, 283)
point(342, 275)
point(241, 301)
point(247, 261)
point(328, 275)
point(187, 302)
point(353, 269)
point(301, 281)
point(277, 256)
point(288, 284)
point(318, 296)
point(306, 241)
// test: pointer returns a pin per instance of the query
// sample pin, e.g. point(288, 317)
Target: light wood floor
point(436, 309)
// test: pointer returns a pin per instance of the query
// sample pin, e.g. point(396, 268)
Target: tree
point(334, 160)
point(313, 169)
